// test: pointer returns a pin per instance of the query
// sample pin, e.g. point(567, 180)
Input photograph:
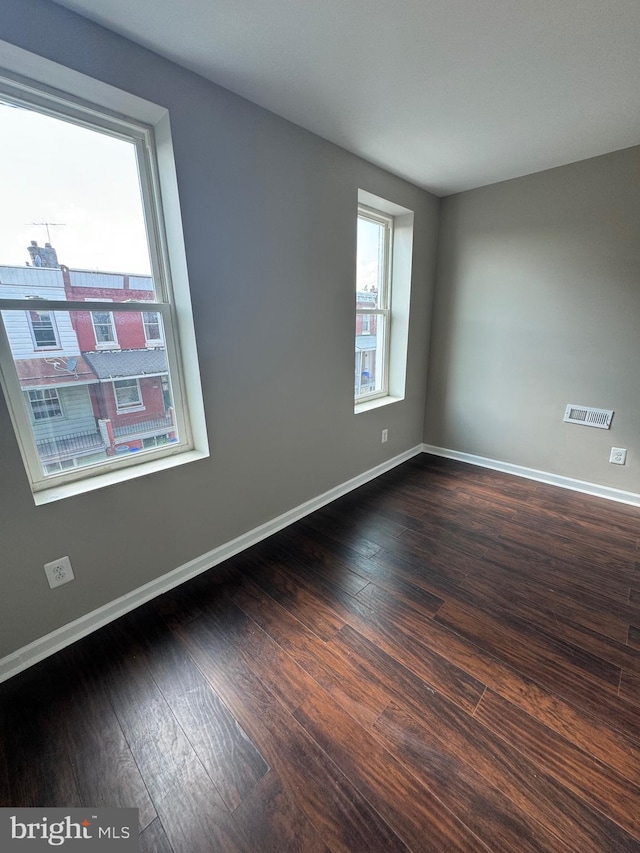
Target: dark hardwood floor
point(447, 659)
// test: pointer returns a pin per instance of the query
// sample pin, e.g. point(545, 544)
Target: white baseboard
point(36, 651)
point(542, 476)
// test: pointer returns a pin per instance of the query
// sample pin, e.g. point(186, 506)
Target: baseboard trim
point(53, 642)
point(594, 489)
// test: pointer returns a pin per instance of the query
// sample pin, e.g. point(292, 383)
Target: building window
point(156, 441)
point(115, 140)
point(128, 395)
point(45, 404)
point(384, 252)
point(152, 328)
point(104, 329)
point(61, 465)
point(43, 329)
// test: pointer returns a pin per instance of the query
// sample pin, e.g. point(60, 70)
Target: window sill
point(109, 478)
point(367, 405)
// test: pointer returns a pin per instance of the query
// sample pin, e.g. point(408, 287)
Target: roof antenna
point(47, 225)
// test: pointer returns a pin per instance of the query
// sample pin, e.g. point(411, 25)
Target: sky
point(367, 268)
point(82, 181)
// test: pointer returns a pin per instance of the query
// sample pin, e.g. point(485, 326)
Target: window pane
point(370, 269)
point(127, 393)
point(373, 302)
point(85, 406)
point(103, 327)
point(79, 189)
point(45, 404)
point(152, 327)
point(370, 363)
point(44, 333)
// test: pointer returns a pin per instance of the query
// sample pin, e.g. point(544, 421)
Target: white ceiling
point(451, 94)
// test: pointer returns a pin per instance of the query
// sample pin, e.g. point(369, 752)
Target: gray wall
point(538, 305)
point(269, 221)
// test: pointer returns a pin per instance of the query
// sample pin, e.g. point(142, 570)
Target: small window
point(45, 404)
point(43, 329)
point(156, 441)
point(127, 393)
point(152, 328)
point(62, 465)
point(104, 329)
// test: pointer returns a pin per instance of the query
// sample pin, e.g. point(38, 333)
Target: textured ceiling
point(450, 94)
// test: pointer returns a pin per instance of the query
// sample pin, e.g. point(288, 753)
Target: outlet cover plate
point(59, 572)
point(618, 455)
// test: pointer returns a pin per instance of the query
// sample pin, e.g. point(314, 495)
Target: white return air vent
point(588, 416)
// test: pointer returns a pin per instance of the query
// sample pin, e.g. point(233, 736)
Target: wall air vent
point(588, 416)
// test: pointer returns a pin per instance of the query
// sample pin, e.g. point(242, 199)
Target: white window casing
point(97, 106)
point(128, 395)
point(104, 329)
point(394, 309)
point(43, 329)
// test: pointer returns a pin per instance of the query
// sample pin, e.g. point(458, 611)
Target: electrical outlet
point(59, 572)
point(618, 455)
point(385, 436)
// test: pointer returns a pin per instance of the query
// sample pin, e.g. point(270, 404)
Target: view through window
point(375, 231)
point(87, 364)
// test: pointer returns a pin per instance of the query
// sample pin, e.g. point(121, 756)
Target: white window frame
point(112, 344)
point(383, 309)
point(48, 418)
point(54, 328)
point(29, 79)
point(153, 342)
point(398, 299)
point(138, 406)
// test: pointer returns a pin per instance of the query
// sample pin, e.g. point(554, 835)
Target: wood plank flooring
point(447, 659)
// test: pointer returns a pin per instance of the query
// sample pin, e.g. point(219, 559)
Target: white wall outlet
point(385, 436)
point(618, 455)
point(59, 572)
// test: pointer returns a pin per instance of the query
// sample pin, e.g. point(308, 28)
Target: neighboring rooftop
point(118, 364)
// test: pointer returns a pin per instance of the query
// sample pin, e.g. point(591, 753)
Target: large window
point(383, 295)
point(89, 181)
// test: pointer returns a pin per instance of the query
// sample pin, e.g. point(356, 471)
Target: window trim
point(400, 267)
point(138, 406)
point(153, 342)
point(113, 344)
point(54, 328)
point(383, 310)
point(90, 102)
point(48, 418)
